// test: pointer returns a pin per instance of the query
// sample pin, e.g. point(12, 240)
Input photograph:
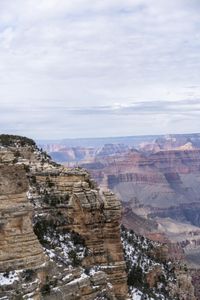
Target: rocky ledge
point(59, 235)
point(20, 249)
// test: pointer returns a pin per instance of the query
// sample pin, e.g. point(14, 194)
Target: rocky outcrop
point(161, 188)
point(151, 271)
point(20, 248)
point(155, 180)
point(75, 251)
point(95, 217)
point(196, 282)
point(171, 142)
point(183, 213)
point(111, 149)
point(160, 185)
point(184, 288)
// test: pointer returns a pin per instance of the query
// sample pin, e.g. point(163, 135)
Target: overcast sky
point(91, 68)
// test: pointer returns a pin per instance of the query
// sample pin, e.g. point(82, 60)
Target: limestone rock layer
point(59, 235)
point(19, 246)
point(96, 218)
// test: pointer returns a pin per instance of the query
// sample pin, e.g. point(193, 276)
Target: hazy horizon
point(99, 68)
point(117, 137)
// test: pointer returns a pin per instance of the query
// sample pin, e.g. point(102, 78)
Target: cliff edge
point(59, 236)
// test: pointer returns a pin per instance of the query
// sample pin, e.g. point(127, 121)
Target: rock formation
point(60, 235)
point(95, 217)
point(75, 250)
point(159, 184)
point(160, 191)
point(152, 273)
point(19, 247)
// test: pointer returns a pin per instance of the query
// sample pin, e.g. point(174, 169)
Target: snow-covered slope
point(151, 276)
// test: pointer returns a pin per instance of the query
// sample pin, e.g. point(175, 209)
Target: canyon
point(61, 236)
point(157, 179)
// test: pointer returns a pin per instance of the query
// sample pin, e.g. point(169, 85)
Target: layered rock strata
point(95, 217)
point(59, 236)
point(19, 246)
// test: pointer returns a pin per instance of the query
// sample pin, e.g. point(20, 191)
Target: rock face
point(151, 275)
point(60, 235)
point(184, 288)
point(171, 142)
point(111, 149)
point(159, 184)
point(75, 251)
point(196, 282)
point(95, 217)
point(20, 248)
point(155, 180)
point(159, 192)
point(165, 184)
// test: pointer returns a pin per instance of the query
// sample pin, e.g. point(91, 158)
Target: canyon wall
point(20, 248)
point(59, 236)
point(95, 217)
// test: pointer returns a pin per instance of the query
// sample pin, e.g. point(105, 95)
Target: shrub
point(6, 274)
point(49, 182)
point(17, 153)
point(26, 168)
point(74, 259)
point(28, 274)
point(42, 227)
point(135, 277)
point(77, 239)
point(10, 140)
point(33, 179)
point(46, 289)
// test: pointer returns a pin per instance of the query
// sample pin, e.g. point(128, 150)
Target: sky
point(91, 68)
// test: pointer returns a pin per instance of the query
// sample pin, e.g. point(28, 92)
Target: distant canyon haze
point(157, 179)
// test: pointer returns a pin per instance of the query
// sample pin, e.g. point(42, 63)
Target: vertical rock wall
point(96, 217)
point(20, 249)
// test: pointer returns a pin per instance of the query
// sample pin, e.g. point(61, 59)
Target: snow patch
point(8, 278)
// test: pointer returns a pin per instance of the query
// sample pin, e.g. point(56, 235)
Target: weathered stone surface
point(72, 203)
point(19, 247)
point(84, 288)
point(97, 219)
point(183, 287)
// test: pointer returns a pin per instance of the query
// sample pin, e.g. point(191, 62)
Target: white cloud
point(83, 53)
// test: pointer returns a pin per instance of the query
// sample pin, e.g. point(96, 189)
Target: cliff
point(59, 236)
point(159, 190)
point(20, 248)
point(151, 275)
point(73, 204)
